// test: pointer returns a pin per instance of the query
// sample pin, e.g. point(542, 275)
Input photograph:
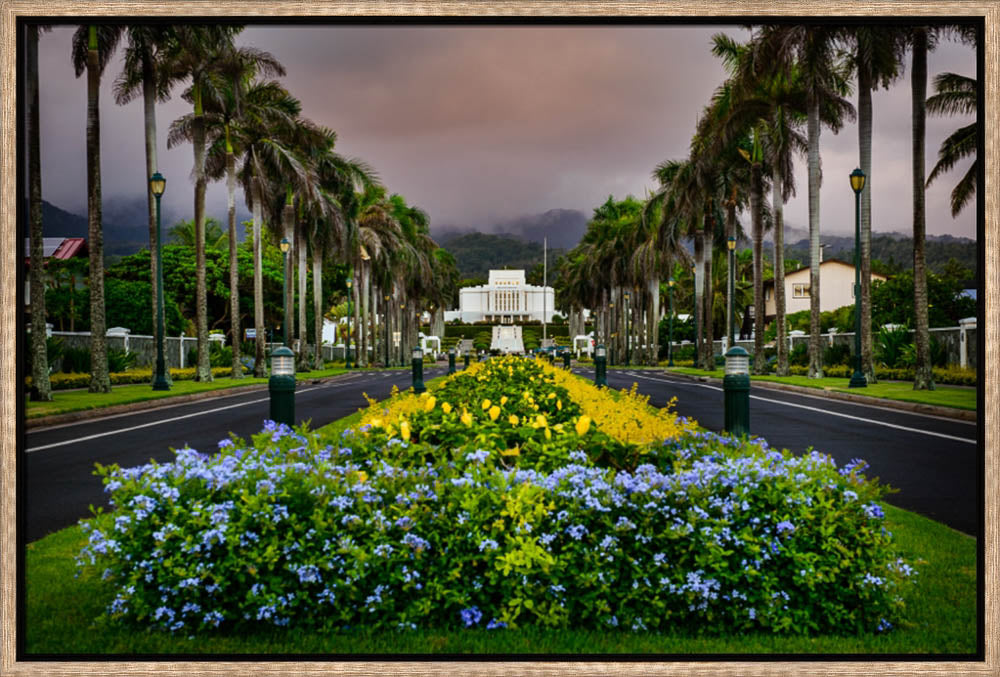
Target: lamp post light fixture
point(158, 184)
point(466, 358)
point(857, 184)
point(347, 343)
point(566, 358)
point(281, 386)
point(670, 332)
point(600, 366)
point(736, 391)
point(418, 370)
point(451, 361)
point(731, 244)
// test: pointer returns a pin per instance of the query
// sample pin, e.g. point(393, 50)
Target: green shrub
point(838, 353)
point(799, 357)
point(76, 360)
point(710, 534)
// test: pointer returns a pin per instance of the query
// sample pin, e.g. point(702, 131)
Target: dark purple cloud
point(482, 123)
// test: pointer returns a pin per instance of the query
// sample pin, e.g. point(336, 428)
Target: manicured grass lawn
point(61, 611)
point(941, 396)
point(64, 401)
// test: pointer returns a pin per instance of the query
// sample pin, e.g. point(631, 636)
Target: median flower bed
point(502, 499)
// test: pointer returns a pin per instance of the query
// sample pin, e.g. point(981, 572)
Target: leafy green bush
point(76, 360)
point(890, 346)
point(62, 381)
point(119, 360)
point(799, 357)
point(838, 353)
point(443, 525)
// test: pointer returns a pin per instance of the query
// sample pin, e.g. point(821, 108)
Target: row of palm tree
point(247, 129)
point(783, 87)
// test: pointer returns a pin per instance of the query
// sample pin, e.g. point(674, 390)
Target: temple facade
point(505, 299)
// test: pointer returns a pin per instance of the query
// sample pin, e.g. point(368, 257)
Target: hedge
point(62, 381)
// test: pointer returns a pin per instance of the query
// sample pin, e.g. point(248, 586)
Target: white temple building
point(505, 299)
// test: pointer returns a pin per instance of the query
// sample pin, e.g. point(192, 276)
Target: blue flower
point(488, 544)
point(785, 527)
point(494, 624)
point(471, 616)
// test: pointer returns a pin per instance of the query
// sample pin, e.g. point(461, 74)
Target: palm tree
point(921, 40)
point(957, 95)
point(877, 56)
point(196, 52)
point(142, 75)
point(811, 51)
point(269, 110)
point(41, 388)
point(224, 95)
point(92, 49)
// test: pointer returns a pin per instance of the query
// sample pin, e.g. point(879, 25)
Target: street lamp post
point(857, 184)
point(158, 184)
point(736, 391)
point(281, 386)
point(600, 367)
point(347, 343)
point(731, 244)
point(697, 327)
point(284, 292)
point(670, 333)
point(451, 361)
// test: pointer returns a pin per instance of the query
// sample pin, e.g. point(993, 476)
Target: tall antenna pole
point(545, 284)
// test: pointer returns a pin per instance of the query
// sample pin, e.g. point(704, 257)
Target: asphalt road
point(57, 468)
point(932, 461)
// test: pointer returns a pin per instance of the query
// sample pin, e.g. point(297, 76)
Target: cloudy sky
point(477, 124)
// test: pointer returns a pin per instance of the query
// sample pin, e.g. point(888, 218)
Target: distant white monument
point(505, 299)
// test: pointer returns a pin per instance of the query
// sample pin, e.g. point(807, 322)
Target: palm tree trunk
point(260, 368)
point(815, 340)
point(865, 148)
point(234, 271)
point(653, 333)
point(204, 372)
point(317, 265)
point(149, 124)
point(365, 313)
point(923, 377)
point(699, 288)
point(779, 275)
point(100, 381)
point(300, 247)
point(707, 334)
point(759, 309)
point(41, 388)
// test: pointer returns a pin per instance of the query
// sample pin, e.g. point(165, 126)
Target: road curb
point(114, 410)
point(915, 407)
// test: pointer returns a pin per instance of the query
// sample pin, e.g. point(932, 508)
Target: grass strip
point(65, 401)
point(941, 396)
point(63, 616)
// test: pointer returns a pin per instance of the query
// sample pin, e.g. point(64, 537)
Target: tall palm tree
point(269, 110)
point(877, 53)
point(957, 95)
point(921, 40)
point(196, 52)
point(41, 388)
point(142, 75)
point(224, 97)
point(810, 49)
point(92, 50)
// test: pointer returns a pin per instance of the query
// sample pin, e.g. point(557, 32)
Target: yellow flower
point(582, 425)
point(516, 451)
point(466, 418)
point(362, 476)
point(514, 420)
point(486, 404)
point(559, 405)
point(494, 412)
point(404, 431)
point(550, 396)
point(540, 421)
point(445, 407)
point(376, 423)
point(503, 400)
point(431, 401)
point(548, 434)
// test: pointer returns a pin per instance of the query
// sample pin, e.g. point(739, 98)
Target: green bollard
point(281, 386)
point(601, 366)
point(466, 357)
point(566, 358)
point(418, 370)
point(736, 391)
point(451, 361)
